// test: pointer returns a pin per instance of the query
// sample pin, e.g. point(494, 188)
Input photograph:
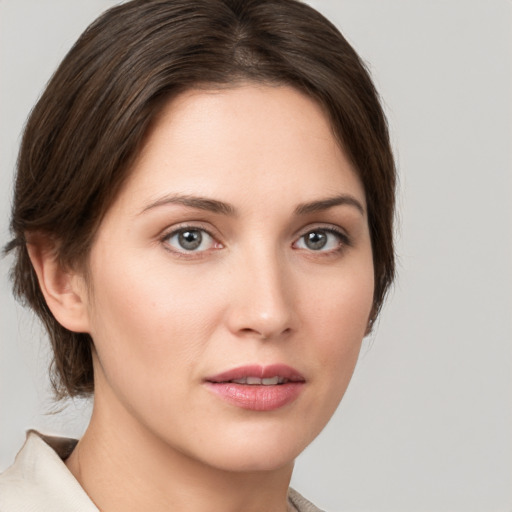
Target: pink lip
point(255, 370)
point(257, 397)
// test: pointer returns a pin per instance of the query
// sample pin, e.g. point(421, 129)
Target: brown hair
point(87, 127)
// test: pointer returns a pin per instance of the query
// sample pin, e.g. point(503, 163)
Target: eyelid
point(345, 239)
point(333, 228)
point(192, 226)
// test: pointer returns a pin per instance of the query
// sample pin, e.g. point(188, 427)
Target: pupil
point(316, 240)
point(190, 240)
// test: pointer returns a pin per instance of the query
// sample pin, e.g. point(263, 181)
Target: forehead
point(241, 141)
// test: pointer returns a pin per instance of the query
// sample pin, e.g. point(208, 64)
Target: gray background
point(426, 424)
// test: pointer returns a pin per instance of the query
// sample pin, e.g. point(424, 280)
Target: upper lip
point(263, 372)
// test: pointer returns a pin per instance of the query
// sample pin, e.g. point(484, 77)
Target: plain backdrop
point(426, 424)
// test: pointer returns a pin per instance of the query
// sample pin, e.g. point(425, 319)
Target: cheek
point(342, 303)
point(338, 320)
point(144, 321)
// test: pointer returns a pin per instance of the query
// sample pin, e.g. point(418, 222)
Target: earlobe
point(64, 290)
point(370, 324)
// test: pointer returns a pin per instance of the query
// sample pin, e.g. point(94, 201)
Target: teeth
point(257, 381)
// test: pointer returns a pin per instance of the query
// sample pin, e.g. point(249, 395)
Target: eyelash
point(344, 240)
point(183, 229)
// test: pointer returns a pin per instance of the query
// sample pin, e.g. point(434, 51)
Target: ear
point(64, 290)
point(371, 322)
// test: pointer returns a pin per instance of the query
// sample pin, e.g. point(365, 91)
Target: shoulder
point(299, 503)
point(40, 481)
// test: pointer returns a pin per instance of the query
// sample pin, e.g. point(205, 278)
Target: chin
point(256, 451)
point(248, 461)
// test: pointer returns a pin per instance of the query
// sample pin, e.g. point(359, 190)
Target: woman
point(203, 221)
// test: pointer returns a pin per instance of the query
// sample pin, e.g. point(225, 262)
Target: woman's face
point(238, 250)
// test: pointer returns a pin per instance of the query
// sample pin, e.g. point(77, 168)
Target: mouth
point(271, 375)
point(257, 388)
point(257, 381)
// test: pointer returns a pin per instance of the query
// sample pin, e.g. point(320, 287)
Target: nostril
point(263, 334)
point(255, 332)
point(248, 330)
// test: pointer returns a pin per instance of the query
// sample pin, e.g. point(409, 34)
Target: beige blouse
point(39, 481)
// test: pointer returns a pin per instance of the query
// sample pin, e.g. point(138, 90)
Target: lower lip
point(255, 397)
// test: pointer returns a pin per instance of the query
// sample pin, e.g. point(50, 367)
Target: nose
point(262, 304)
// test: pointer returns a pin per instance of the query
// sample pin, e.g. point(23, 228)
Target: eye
point(190, 239)
point(322, 240)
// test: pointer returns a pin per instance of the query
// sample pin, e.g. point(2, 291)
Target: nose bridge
point(263, 301)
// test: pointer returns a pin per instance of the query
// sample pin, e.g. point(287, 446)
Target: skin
point(163, 318)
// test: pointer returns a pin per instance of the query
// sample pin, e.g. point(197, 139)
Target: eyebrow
point(216, 206)
point(325, 204)
point(199, 203)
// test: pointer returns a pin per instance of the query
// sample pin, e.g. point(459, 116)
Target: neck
point(123, 466)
